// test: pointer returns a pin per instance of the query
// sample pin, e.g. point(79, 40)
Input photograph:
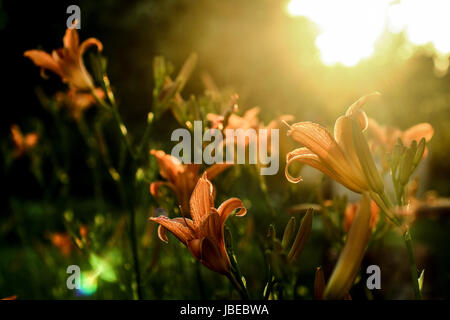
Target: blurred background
point(308, 58)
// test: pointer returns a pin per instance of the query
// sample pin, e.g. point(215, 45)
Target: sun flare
point(350, 29)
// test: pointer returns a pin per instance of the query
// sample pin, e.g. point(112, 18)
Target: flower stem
point(122, 128)
point(412, 264)
point(263, 187)
point(269, 288)
point(125, 198)
point(409, 245)
point(238, 285)
point(133, 241)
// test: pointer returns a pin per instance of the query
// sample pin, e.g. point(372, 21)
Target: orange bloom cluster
point(385, 137)
point(249, 120)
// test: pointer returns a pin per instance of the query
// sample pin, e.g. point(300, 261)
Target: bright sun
point(349, 29)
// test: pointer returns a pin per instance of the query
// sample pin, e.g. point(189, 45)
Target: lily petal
point(317, 139)
point(216, 169)
point(178, 226)
point(417, 132)
point(195, 246)
point(228, 206)
point(355, 110)
point(90, 42)
point(71, 41)
point(154, 187)
point(214, 257)
point(344, 138)
point(201, 200)
point(276, 123)
point(31, 139)
point(169, 167)
point(304, 155)
point(43, 60)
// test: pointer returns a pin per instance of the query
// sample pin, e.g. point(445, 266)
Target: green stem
point(238, 285)
point(412, 264)
point(125, 198)
point(408, 242)
point(234, 275)
point(116, 115)
point(386, 206)
point(270, 285)
point(92, 161)
point(264, 190)
point(133, 241)
point(144, 141)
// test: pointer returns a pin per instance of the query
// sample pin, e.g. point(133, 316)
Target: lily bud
point(420, 151)
point(365, 159)
point(186, 71)
point(271, 233)
point(396, 156)
point(351, 255)
point(302, 236)
point(288, 233)
point(319, 284)
point(406, 165)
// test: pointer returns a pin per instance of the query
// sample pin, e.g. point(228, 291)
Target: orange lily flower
point(76, 101)
point(249, 120)
point(67, 62)
point(181, 178)
point(23, 143)
point(203, 234)
point(334, 156)
point(386, 137)
point(63, 242)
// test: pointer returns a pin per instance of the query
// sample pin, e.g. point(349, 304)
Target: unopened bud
point(271, 233)
point(396, 156)
point(288, 233)
point(302, 236)
point(419, 152)
point(351, 255)
point(319, 284)
point(406, 165)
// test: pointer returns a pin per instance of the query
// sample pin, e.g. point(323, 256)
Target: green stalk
point(409, 246)
point(124, 197)
point(116, 115)
point(412, 264)
point(238, 285)
point(93, 166)
point(264, 190)
point(234, 275)
point(269, 288)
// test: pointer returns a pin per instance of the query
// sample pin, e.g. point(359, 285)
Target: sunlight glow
point(423, 21)
point(349, 29)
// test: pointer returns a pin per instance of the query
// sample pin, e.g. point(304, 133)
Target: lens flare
point(89, 283)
